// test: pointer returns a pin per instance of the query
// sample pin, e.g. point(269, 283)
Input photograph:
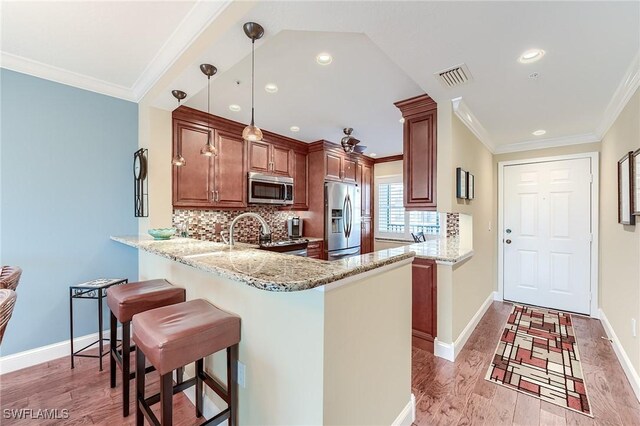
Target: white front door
point(547, 234)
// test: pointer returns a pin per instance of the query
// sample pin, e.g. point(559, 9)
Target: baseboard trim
point(450, 351)
point(468, 330)
point(408, 414)
point(209, 407)
point(443, 350)
point(627, 366)
point(497, 296)
point(47, 353)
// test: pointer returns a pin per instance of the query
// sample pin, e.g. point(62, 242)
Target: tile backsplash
point(453, 224)
point(206, 224)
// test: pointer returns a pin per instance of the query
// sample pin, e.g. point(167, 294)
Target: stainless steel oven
point(267, 189)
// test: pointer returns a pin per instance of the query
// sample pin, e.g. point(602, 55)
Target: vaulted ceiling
point(383, 52)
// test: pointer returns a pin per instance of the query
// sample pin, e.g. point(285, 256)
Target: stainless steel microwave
point(267, 189)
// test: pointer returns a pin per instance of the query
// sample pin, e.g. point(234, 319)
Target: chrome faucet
point(265, 226)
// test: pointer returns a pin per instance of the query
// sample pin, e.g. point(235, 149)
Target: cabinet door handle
point(217, 198)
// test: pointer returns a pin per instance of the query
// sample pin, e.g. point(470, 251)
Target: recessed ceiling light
point(324, 58)
point(532, 55)
point(539, 132)
point(373, 154)
point(271, 88)
point(294, 128)
point(401, 120)
point(234, 107)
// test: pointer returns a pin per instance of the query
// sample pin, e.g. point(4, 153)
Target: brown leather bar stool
point(10, 277)
point(7, 303)
point(177, 335)
point(125, 301)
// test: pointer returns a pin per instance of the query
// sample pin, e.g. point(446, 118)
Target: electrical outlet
point(634, 329)
point(241, 374)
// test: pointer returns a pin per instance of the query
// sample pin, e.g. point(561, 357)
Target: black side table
point(96, 290)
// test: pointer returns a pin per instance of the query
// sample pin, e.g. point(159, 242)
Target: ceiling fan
point(350, 144)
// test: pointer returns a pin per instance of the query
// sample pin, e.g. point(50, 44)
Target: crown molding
point(548, 143)
point(628, 86)
point(201, 15)
point(59, 75)
point(461, 109)
point(199, 18)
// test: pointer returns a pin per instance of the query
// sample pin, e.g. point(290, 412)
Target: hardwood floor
point(446, 393)
point(457, 394)
point(83, 391)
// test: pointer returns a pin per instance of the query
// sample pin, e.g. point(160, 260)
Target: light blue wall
point(66, 186)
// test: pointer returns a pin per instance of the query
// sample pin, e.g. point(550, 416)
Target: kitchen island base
point(334, 355)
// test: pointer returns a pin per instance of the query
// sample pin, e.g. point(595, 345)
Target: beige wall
point(619, 244)
point(549, 152)
point(388, 169)
point(368, 351)
point(475, 279)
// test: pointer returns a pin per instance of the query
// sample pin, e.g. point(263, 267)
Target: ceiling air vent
point(455, 76)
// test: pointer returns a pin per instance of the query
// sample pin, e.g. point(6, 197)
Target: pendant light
point(178, 160)
point(208, 150)
point(254, 31)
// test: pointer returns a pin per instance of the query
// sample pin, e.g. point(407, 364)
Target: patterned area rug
point(538, 355)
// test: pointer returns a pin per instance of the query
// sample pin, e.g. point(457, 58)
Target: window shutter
point(391, 208)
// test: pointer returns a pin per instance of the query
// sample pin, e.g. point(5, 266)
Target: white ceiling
point(381, 49)
point(114, 47)
point(356, 90)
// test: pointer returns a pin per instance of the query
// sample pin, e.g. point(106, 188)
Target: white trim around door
point(595, 172)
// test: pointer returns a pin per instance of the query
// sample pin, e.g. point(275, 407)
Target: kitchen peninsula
point(327, 343)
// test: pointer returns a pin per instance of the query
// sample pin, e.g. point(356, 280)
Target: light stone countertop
point(313, 239)
point(444, 250)
point(263, 269)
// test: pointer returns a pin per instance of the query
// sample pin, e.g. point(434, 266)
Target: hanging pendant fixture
point(209, 150)
point(178, 160)
point(254, 31)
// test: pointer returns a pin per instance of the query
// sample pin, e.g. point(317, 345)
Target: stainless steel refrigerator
point(342, 215)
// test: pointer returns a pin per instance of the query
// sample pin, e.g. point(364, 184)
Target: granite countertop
point(444, 250)
point(313, 239)
point(263, 269)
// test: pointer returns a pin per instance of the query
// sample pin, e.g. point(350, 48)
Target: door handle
point(217, 197)
point(344, 217)
point(508, 241)
point(348, 221)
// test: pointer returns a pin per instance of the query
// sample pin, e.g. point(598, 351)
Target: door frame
point(595, 210)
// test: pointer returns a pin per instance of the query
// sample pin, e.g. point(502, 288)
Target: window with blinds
point(394, 221)
point(391, 208)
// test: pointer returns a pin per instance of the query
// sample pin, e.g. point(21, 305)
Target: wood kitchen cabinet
point(364, 179)
point(315, 250)
point(367, 190)
point(420, 143)
point(300, 174)
point(230, 181)
point(193, 183)
point(220, 182)
point(209, 182)
point(339, 166)
point(425, 303)
point(265, 157)
point(366, 235)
